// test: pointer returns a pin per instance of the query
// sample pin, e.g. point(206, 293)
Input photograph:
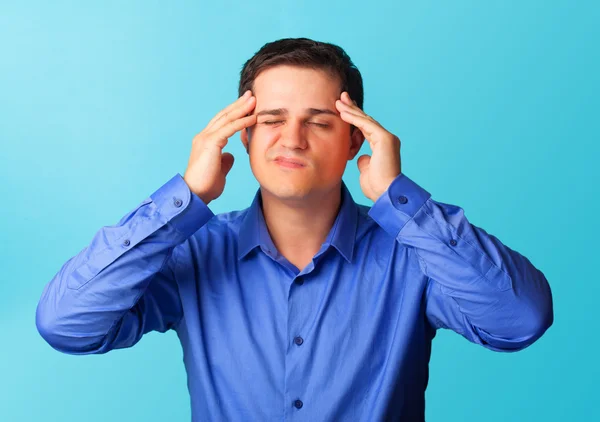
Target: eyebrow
point(284, 111)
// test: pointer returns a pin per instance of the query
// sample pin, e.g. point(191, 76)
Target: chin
point(287, 189)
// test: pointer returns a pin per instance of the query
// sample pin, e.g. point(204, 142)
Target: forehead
point(288, 85)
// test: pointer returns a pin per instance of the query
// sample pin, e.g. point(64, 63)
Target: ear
point(356, 140)
point(244, 135)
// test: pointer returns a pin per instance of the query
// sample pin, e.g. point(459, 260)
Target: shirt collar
point(253, 229)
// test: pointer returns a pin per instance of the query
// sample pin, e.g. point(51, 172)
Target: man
point(306, 305)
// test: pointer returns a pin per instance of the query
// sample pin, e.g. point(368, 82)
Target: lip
point(289, 162)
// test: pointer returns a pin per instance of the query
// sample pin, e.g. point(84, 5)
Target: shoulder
point(216, 236)
point(366, 225)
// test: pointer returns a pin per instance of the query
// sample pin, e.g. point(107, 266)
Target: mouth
point(289, 162)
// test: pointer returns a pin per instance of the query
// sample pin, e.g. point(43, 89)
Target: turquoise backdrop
point(496, 104)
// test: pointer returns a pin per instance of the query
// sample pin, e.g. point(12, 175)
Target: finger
point(363, 162)
point(235, 113)
point(341, 106)
point(237, 102)
point(232, 127)
point(367, 126)
point(227, 160)
point(232, 112)
point(345, 98)
point(344, 107)
point(231, 106)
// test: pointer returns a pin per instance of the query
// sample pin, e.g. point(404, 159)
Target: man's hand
point(208, 165)
point(378, 171)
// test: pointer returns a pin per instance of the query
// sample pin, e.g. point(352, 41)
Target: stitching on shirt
point(107, 248)
point(473, 246)
point(422, 207)
point(461, 329)
point(173, 225)
point(457, 254)
point(136, 300)
point(422, 260)
point(176, 262)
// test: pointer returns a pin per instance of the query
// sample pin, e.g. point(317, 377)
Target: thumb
point(363, 162)
point(226, 162)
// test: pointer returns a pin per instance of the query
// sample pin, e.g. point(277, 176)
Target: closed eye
point(280, 121)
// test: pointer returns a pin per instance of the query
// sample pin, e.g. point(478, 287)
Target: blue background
point(496, 106)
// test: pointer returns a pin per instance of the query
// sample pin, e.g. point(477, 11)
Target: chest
point(260, 320)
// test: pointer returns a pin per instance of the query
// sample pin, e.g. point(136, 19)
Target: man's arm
point(477, 286)
point(122, 285)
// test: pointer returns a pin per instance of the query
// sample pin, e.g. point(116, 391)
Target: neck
point(299, 228)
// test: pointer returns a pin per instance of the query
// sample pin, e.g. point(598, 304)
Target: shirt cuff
point(180, 207)
point(398, 204)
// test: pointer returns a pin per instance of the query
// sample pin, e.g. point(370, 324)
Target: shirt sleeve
point(477, 286)
point(122, 285)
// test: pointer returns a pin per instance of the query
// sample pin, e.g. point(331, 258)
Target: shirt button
point(298, 404)
point(299, 281)
point(126, 242)
point(298, 340)
point(453, 242)
point(177, 202)
point(402, 199)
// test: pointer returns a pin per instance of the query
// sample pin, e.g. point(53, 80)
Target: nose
point(292, 135)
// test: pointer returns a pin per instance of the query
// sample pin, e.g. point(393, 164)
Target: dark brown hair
point(304, 52)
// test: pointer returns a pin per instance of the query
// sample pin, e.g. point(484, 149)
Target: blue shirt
point(347, 338)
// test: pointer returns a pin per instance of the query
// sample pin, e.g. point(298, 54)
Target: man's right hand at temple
point(208, 164)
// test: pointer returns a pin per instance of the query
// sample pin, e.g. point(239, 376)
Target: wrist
point(203, 196)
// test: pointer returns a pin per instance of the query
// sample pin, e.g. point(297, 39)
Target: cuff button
point(402, 199)
point(177, 202)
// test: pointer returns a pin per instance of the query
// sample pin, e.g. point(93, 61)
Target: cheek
point(260, 138)
point(257, 150)
point(333, 160)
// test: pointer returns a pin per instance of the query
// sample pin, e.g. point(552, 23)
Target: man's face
point(297, 119)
